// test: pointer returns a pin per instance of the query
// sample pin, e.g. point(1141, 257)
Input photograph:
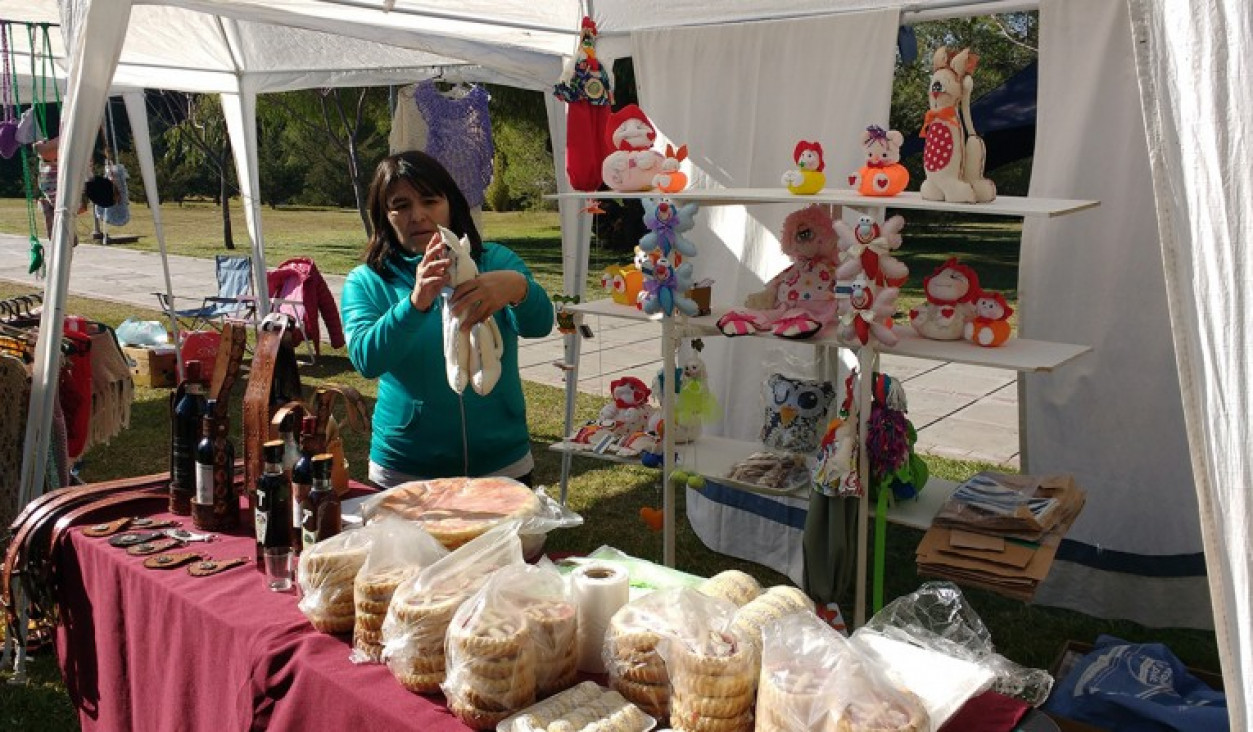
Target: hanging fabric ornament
point(584, 87)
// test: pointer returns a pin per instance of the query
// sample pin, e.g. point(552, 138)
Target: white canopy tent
point(1191, 67)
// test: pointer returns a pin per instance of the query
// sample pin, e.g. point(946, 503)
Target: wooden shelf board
point(1001, 206)
point(1019, 354)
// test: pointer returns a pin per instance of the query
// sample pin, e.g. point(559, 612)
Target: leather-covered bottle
point(187, 408)
point(320, 510)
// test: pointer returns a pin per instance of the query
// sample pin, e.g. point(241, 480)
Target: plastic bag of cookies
point(552, 620)
point(587, 707)
point(713, 670)
point(735, 586)
point(326, 574)
point(400, 550)
point(770, 605)
point(423, 605)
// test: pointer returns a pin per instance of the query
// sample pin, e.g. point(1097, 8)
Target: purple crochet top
point(459, 135)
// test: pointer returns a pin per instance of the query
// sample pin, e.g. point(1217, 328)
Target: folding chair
point(235, 297)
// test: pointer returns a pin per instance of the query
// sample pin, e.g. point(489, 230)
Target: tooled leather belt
point(275, 377)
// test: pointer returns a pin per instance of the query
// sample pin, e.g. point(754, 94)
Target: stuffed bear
point(883, 174)
point(800, 301)
point(867, 247)
point(808, 177)
point(951, 291)
point(953, 160)
point(633, 164)
point(990, 326)
point(472, 357)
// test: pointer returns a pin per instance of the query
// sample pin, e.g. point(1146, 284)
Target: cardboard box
point(153, 367)
point(1074, 650)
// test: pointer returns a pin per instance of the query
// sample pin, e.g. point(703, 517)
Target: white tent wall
point(741, 96)
point(1194, 68)
point(1113, 418)
point(91, 67)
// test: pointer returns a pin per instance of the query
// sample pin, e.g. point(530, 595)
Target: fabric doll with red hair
point(808, 178)
point(633, 163)
point(584, 86)
point(990, 326)
point(951, 290)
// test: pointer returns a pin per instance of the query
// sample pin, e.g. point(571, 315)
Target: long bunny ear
point(940, 59)
point(681, 153)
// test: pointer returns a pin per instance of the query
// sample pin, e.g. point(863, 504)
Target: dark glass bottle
point(302, 477)
point(320, 510)
point(188, 407)
point(273, 509)
point(204, 456)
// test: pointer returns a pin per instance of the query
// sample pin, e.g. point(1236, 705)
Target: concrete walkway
point(963, 412)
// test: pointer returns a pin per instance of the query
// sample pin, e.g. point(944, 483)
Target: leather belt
point(274, 378)
point(358, 415)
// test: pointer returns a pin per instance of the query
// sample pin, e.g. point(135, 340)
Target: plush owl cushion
point(796, 413)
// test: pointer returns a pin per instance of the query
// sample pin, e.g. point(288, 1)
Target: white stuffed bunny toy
point(954, 155)
point(471, 358)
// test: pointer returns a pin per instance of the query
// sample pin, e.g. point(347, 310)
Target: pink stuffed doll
point(633, 164)
point(800, 301)
point(883, 174)
point(990, 326)
point(868, 311)
point(867, 247)
point(951, 292)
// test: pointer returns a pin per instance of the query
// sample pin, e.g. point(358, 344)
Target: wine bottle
point(320, 512)
point(302, 477)
point(204, 457)
point(272, 510)
point(185, 424)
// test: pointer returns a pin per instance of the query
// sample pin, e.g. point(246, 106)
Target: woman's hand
point(478, 299)
point(432, 274)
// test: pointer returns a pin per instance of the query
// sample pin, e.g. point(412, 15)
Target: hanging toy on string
point(118, 214)
point(890, 437)
point(584, 87)
point(667, 277)
point(835, 468)
point(865, 312)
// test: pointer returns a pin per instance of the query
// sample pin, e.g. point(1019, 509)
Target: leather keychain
point(153, 547)
point(112, 527)
point(131, 538)
point(211, 567)
point(170, 561)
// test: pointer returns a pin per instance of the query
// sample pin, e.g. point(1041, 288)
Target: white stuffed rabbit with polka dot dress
point(471, 357)
point(954, 155)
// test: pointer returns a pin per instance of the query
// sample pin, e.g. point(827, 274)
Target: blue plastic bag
point(1137, 688)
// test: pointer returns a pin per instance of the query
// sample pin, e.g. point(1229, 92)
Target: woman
point(392, 316)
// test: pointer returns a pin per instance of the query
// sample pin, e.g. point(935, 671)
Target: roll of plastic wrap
point(599, 590)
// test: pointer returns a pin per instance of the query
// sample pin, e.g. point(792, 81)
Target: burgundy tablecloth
point(161, 650)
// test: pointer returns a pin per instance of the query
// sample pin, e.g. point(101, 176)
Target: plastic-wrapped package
point(326, 573)
point(645, 576)
point(734, 586)
point(587, 707)
point(423, 606)
point(547, 603)
point(770, 605)
point(812, 678)
point(635, 668)
point(456, 510)
point(936, 616)
point(400, 549)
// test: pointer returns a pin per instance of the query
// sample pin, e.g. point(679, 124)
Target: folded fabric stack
point(1001, 532)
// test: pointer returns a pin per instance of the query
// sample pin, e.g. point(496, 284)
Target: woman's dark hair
point(429, 178)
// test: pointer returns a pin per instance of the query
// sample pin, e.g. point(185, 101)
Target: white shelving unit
point(713, 456)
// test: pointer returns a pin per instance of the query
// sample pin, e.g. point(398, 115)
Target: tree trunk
point(224, 199)
point(358, 190)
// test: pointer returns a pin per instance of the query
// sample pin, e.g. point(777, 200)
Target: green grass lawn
point(608, 496)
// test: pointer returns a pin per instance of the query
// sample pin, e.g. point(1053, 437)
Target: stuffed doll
point(808, 177)
point(565, 316)
point(796, 410)
point(666, 277)
point(835, 469)
point(990, 325)
point(867, 247)
point(867, 311)
point(694, 403)
point(894, 467)
point(950, 291)
point(584, 87)
point(629, 411)
point(470, 357)
point(632, 164)
point(671, 179)
point(953, 157)
point(883, 174)
point(800, 301)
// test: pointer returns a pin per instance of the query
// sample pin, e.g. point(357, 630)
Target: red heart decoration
point(652, 517)
point(852, 179)
point(881, 182)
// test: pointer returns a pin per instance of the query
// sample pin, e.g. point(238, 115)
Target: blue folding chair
point(235, 297)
